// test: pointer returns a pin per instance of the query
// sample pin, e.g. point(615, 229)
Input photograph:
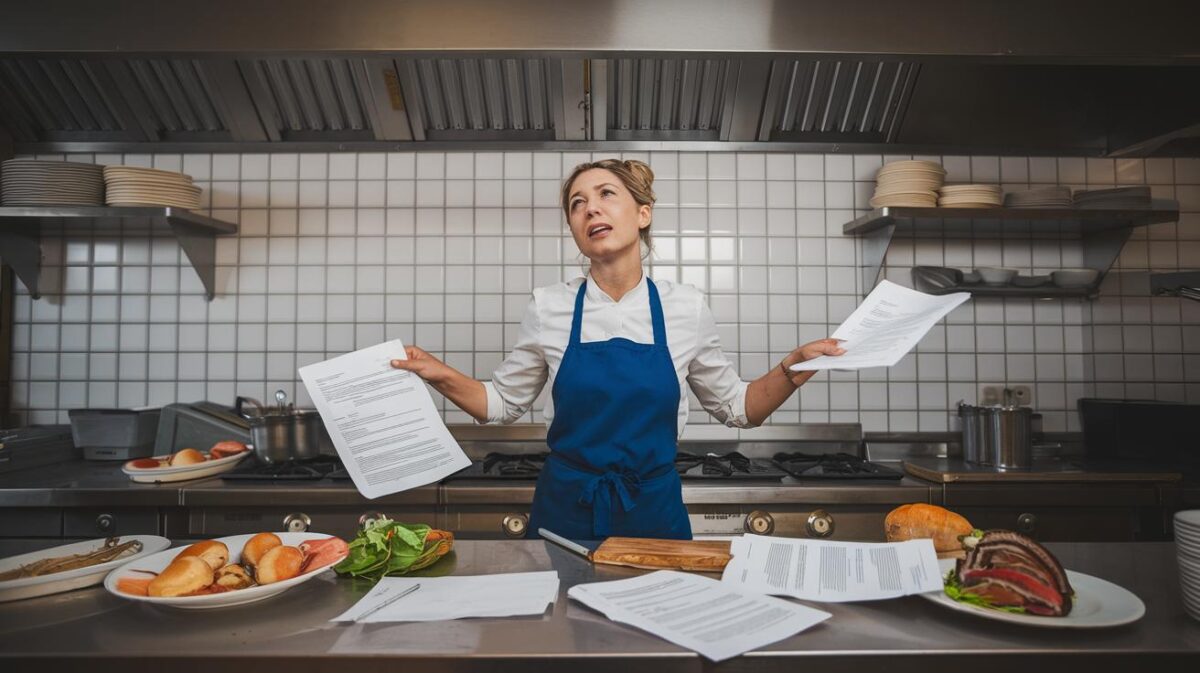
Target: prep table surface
point(292, 633)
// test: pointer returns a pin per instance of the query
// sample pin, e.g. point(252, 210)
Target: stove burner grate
point(832, 466)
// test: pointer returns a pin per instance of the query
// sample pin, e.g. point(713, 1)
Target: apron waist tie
point(598, 494)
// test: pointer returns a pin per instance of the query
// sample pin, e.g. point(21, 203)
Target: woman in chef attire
point(618, 350)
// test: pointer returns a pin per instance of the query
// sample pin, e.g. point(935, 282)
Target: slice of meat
point(322, 552)
point(1010, 569)
point(1013, 582)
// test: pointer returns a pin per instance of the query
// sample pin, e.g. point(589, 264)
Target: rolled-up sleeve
point(519, 379)
point(712, 376)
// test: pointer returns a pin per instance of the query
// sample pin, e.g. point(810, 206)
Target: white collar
point(594, 293)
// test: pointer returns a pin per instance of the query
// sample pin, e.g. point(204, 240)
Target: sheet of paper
point(833, 572)
point(455, 597)
point(382, 421)
point(885, 326)
point(700, 613)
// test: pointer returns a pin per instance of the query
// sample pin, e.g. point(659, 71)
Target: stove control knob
point(296, 522)
point(369, 517)
point(1027, 522)
point(515, 525)
point(760, 523)
point(106, 523)
point(819, 524)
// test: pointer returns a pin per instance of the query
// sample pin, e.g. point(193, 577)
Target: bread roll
point(920, 521)
point(212, 552)
point(278, 564)
point(187, 457)
point(233, 576)
point(185, 575)
point(259, 545)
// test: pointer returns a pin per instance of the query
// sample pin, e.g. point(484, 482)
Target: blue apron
point(611, 469)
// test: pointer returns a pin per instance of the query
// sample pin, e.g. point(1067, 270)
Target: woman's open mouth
point(598, 230)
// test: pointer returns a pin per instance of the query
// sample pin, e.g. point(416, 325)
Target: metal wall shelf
point(21, 229)
point(1103, 232)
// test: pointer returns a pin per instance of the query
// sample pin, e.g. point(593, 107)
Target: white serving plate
point(162, 559)
point(30, 587)
point(154, 475)
point(1098, 604)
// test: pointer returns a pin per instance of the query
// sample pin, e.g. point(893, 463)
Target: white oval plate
point(44, 585)
point(152, 475)
point(1098, 603)
point(235, 543)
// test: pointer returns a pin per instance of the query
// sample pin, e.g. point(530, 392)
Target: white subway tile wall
point(341, 251)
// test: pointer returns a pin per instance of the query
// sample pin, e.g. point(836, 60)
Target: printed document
point(455, 597)
point(382, 421)
point(700, 613)
point(832, 572)
point(888, 324)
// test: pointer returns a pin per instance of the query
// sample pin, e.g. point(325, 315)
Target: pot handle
point(258, 407)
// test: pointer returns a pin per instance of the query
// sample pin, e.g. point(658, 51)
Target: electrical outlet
point(993, 393)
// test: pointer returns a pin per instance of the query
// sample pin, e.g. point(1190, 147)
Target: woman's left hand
point(807, 352)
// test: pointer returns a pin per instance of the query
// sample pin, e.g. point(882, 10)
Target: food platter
point(44, 585)
point(154, 475)
point(157, 562)
point(1098, 604)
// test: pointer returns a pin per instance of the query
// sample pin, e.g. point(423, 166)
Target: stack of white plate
point(1040, 197)
point(134, 186)
point(1187, 546)
point(30, 182)
point(970, 196)
point(908, 183)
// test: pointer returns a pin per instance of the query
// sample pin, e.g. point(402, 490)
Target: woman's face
point(605, 219)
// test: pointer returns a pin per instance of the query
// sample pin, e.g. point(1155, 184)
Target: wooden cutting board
point(701, 555)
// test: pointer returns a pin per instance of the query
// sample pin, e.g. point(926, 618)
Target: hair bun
point(641, 170)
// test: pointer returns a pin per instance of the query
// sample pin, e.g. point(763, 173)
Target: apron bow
point(598, 494)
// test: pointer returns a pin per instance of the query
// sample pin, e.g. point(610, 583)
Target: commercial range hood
point(854, 75)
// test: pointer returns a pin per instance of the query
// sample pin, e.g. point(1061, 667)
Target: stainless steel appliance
point(114, 434)
point(198, 425)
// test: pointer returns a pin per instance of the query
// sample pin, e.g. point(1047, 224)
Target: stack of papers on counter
point(830, 571)
point(717, 620)
point(456, 597)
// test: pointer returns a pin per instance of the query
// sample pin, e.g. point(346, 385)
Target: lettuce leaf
point(385, 547)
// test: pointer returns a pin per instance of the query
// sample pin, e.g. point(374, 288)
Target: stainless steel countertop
point(292, 633)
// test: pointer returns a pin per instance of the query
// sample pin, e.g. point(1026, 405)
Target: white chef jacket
point(691, 336)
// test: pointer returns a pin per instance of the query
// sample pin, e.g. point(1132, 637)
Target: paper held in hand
point(886, 326)
point(382, 421)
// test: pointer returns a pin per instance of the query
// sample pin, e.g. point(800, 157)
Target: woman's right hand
point(424, 365)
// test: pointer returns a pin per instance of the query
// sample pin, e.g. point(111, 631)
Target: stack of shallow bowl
point(1120, 198)
point(30, 182)
point(970, 196)
point(908, 183)
point(134, 186)
point(1187, 548)
point(1040, 197)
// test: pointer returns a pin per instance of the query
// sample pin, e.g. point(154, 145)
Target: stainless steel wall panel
point(518, 110)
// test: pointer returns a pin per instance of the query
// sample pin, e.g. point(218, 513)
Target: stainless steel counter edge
point(291, 632)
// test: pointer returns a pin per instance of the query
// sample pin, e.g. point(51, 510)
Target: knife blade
point(566, 544)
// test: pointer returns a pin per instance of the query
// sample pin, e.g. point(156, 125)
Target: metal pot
point(1008, 436)
point(281, 436)
point(975, 444)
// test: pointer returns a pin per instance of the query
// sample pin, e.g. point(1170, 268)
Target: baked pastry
point(185, 575)
point(212, 552)
point(921, 521)
point(279, 564)
point(258, 545)
point(233, 576)
point(187, 457)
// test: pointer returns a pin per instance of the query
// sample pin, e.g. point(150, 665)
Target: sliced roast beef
point(1010, 569)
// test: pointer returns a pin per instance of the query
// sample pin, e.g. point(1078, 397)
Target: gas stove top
point(310, 470)
point(732, 465)
point(832, 466)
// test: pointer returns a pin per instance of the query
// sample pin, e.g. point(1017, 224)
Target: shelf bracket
point(1101, 249)
point(200, 246)
point(20, 239)
point(874, 247)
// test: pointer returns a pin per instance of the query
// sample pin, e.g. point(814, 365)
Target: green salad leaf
point(955, 590)
point(387, 547)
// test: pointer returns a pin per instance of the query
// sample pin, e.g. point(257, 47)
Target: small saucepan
point(281, 434)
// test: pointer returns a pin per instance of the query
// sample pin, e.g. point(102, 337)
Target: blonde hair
point(635, 175)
